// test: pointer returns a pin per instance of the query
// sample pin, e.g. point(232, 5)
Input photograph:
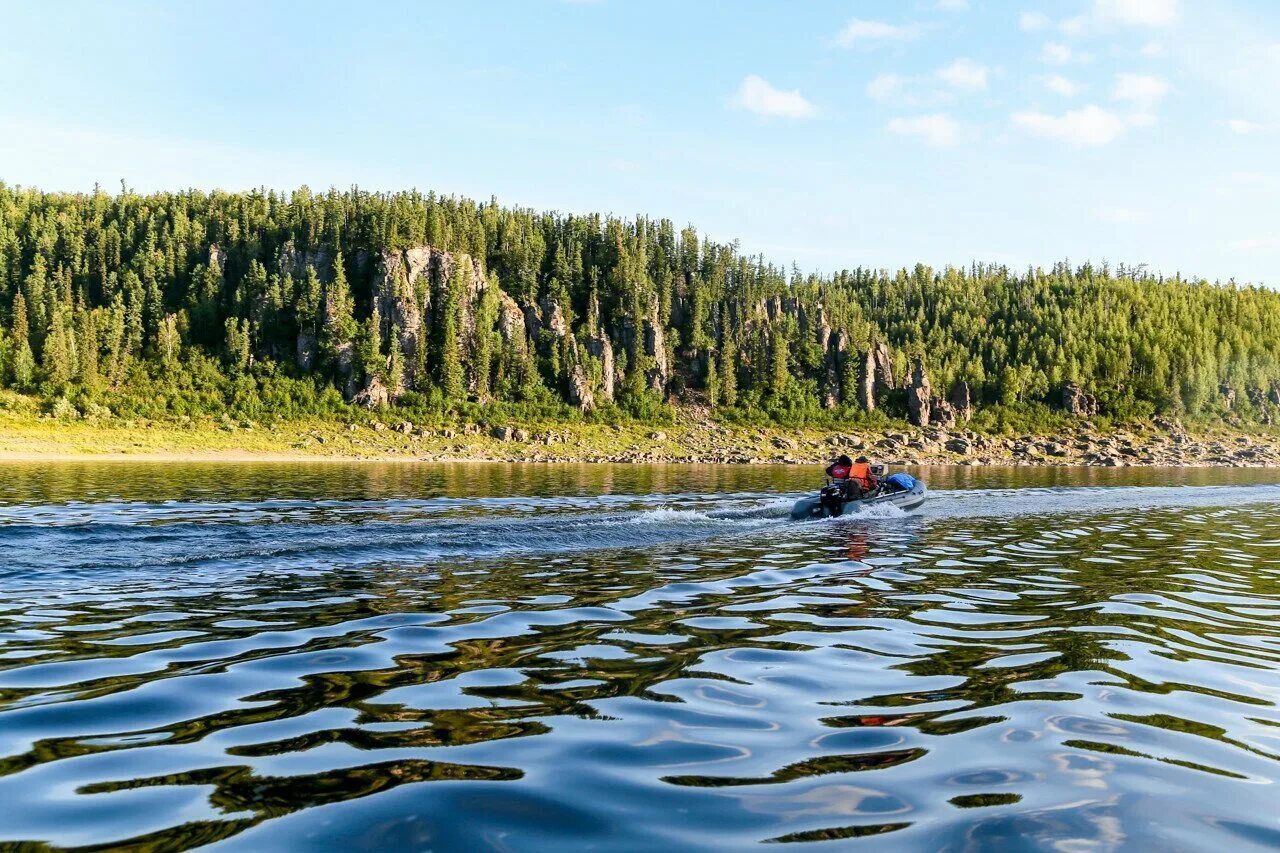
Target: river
point(400, 656)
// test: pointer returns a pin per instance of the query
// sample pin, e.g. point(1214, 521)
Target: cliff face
point(407, 286)
point(410, 288)
point(436, 308)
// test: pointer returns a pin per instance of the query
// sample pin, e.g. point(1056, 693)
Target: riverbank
point(689, 440)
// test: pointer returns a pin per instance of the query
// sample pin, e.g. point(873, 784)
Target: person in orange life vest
point(854, 478)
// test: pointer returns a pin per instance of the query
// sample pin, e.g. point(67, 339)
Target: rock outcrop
point(919, 396)
point(655, 346)
point(511, 323)
point(374, 395)
point(942, 413)
point(961, 400)
point(408, 285)
point(217, 258)
point(601, 348)
point(867, 381)
point(837, 349)
point(1077, 401)
point(580, 392)
point(884, 368)
point(294, 262)
point(553, 319)
point(875, 376)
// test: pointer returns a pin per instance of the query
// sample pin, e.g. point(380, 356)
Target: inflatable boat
point(900, 490)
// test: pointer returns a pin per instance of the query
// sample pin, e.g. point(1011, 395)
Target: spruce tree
point(23, 367)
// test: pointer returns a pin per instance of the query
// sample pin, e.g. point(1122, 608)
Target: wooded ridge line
point(298, 303)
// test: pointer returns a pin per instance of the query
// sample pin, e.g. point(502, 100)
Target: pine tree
point(728, 373)
point(338, 323)
point(237, 345)
point(59, 358)
point(87, 337)
point(23, 367)
point(372, 363)
point(711, 380)
point(449, 373)
point(169, 342)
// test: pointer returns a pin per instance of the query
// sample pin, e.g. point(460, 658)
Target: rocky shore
point(1160, 443)
point(693, 438)
point(930, 446)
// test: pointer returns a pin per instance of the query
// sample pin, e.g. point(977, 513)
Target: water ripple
point(1061, 667)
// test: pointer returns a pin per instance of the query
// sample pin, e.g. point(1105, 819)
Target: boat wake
point(78, 540)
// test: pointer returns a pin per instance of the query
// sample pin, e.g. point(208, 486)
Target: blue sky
point(832, 134)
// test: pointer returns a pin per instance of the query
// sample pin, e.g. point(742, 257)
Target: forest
point(268, 304)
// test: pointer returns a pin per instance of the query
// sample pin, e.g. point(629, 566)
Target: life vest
point(861, 471)
point(838, 472)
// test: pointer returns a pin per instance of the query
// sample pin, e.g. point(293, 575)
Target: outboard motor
point(831, 500)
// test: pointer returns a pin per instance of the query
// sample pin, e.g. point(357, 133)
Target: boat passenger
point(855, 478)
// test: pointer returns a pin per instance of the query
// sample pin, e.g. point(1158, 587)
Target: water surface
point(523, 658)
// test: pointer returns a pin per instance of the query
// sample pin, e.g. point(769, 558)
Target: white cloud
point(1141, 90)
point(1242, 125)
point(1088, 126)
point(964, 74)
point(860, 31)
point(1060, 85)
point(756, 95)
point(936, 129)
point(884, 87)
point(1031, 22)
point(1152, 49)
point(954, 5)
point(1055, 53)
point(1119, 215)
point(1142, 13)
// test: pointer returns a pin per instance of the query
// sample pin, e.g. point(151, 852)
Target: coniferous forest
point(263, 304)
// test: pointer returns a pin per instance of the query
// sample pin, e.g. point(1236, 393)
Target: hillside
point(259, 304)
